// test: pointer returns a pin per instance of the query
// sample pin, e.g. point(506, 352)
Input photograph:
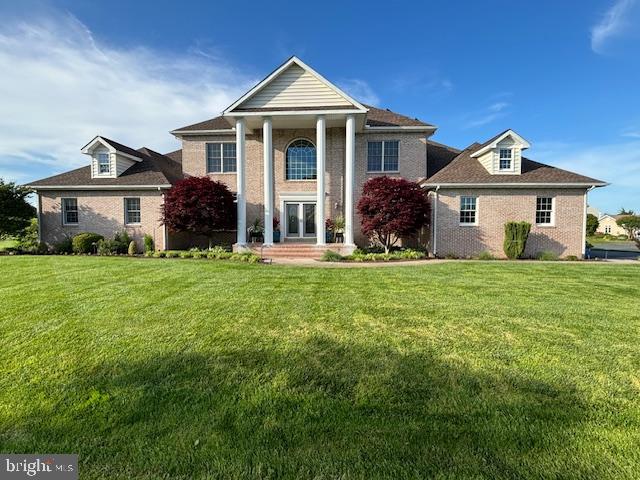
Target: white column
point(320, 185)
point(349, 179)
point(240, 179)
point(267, 145)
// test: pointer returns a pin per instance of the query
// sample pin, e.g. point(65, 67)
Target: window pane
point(467, 209)
point(544, 210)
point(391, 156)
point(301, 160)
point(70, 210)
point(104, 166)
point(505, 153)
point(132, 210)
point(229, 157)
point(374, 157)
point(214, 157)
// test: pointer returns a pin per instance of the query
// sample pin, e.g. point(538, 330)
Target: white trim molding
point(522, 143)
point(514, 185)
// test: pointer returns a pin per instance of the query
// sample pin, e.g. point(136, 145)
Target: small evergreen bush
point(515, 238)
point(486, 255)
point(331, 256)
point(85, 242)
point(64, 246)
point(148, 243)
point(133, 249)
point(547, 255)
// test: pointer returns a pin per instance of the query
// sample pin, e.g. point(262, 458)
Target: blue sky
point(565, 75)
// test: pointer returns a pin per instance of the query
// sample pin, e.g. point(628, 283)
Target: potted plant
point(329, 227)
point(256, 231)
point(276, 230)
point(338, 229)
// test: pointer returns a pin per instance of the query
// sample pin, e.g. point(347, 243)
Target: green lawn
point(152, 368)
point(4, 244)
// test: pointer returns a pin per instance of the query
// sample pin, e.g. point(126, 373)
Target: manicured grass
point(152, 368)
point(4, 244)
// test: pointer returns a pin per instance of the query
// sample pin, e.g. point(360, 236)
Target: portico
point(296, 98)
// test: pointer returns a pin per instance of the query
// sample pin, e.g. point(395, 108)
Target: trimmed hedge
point(84, 242)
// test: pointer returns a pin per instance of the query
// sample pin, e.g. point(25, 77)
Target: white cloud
point(614, 23)
point(631, 133)
point(61, 86)
point(359, 90)
point(616, 163)
point(491, 113)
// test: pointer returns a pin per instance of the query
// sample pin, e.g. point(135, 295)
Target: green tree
point(626, 212)
point(631, 224)
point(15, 212)
point(592, 223)
point(515, 238)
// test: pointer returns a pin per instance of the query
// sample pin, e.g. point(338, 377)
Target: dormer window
point(506, 158)
point(104, 164)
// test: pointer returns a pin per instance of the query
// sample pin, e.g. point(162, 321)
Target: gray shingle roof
point(376, 117)
point(154, 169)
point(464, 169)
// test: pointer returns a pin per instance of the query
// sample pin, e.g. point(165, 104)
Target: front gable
point(490, 154)
point(294, 86)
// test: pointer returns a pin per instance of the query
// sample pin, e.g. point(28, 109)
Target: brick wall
point(102, 212)
point(495, 207)
point(412, 166)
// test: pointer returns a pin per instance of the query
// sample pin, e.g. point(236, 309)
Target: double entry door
point(300, 219)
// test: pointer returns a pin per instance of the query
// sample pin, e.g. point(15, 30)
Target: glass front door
point(301, 219)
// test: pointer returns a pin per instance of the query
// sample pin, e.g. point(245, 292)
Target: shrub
point(391, 208)
point(515, 238)
point(28, 238)
point(571, 258)
point(172, 254)
point(84, 242)
point(104, 247)
point(63, 246)
point(486, 255)
point(451, 256)
point(186, 254)
point(592, 224)
point(159, 254)
point(120, 243)
point(547, 255)
point(331, 256)
point(148, 243)
point(133, 249)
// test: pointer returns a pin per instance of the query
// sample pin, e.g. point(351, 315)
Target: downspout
point(39, 218)
point(165, 235)
point(584, 222)
point(435, 223)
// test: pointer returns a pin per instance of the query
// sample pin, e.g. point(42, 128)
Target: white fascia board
point(515, 185)
point(409, 128)
point(99, 187)
point(223, 131)
point(277, 71)
point(509, 133)
point(275, 113)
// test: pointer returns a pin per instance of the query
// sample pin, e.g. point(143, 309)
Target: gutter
point(98, 187)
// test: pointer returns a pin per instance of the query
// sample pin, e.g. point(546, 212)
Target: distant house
point(298, 149)
point(608, 225)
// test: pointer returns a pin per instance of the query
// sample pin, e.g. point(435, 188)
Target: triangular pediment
point(294, 85)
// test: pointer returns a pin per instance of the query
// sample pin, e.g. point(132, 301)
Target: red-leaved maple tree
point(199, 205)
point(392, 208)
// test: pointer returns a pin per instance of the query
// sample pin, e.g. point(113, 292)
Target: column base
point(240, 247)
point(348, 248)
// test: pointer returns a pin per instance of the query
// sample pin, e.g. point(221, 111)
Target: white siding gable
point(295, 87)
point(118, 163)
point(489, 156)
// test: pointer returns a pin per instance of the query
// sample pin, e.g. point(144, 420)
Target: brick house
point(269, 148)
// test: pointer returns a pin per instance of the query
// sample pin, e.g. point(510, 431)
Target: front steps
point(295, 250)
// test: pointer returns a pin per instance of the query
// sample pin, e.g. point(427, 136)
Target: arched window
point(301, 160)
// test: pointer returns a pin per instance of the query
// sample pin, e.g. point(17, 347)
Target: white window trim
point(206, 159)
point(477, 210)
point(64, 212)
point(98, 172)
point(126, 212)
point(285, 161)
point(511, 159)
point(383, 156)
point(553, 213)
